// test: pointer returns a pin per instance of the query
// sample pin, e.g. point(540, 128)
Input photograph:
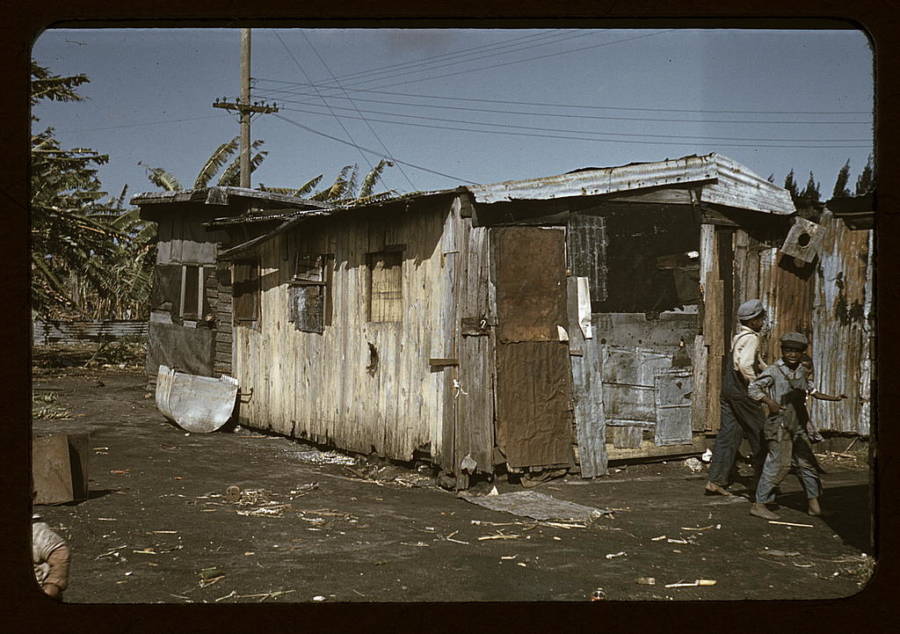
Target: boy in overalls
point(783, 387)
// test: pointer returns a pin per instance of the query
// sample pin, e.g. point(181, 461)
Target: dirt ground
point(160, 527)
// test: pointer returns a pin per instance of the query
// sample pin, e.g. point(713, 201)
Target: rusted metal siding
point(74, 332)
point(534, 409)
point(531, 271)
point(325, 387)
point(842, 322)
point(722, 180)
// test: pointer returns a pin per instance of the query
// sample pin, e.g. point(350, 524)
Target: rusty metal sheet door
point(534, 381)
point(534, 411)
point(531, 283)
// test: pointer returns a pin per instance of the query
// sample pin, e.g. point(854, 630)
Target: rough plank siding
point(472, 404)
point(317, 385)
point(475, 414)
point(708, 380)
point(587, 392)
point(841, 327)
point(449, 253)
point(223, 306)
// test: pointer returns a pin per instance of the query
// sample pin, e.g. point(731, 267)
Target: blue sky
point(457, 106)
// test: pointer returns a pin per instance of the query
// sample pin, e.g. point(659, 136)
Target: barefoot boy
point(783, 387)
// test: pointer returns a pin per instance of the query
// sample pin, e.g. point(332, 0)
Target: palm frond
point(231, 177)
point(308, 186)
point(215, 162)
point(338, 189)
point(371, 179)
point(163, 179)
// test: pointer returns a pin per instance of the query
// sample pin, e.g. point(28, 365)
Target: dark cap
point(794, 340)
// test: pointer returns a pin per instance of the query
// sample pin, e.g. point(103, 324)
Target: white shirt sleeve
point(745, 355)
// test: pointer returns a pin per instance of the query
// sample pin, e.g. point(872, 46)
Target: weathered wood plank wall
point(708, 346)
point(328, 387)
point(474, 320)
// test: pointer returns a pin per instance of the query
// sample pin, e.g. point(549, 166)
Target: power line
point(341, 123)
point(621, 134)
point(530, 59)
point(430, 66)
point(368, 125)
point(359, 147)
point(461, 53)
point(563, 105)
point(576, 116)
point(144, 123)
point(578, 138)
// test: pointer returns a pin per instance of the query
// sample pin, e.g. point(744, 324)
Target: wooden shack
point(190, 322)
point(529, 325)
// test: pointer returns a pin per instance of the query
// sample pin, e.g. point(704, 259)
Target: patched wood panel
point(587, 392)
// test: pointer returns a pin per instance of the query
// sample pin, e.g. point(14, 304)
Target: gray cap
point(750, 309)
point(794, 340)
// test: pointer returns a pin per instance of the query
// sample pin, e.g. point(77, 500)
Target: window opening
point(386, 286)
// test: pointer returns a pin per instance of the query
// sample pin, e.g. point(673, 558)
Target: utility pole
point(245, 108)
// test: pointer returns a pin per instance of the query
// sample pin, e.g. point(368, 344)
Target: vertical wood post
point(245, 114)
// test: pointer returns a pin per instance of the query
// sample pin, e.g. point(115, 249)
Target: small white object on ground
point(694, 465)
point(318, 597)
point(613, 555)
point(707, 455)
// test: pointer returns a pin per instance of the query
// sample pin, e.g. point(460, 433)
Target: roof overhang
point(857, 212)
point(721, 181)
point(224, 196)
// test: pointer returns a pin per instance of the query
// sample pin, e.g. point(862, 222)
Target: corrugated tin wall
point(73, 332)
point(831, 302)
point(317, 386)
point(842, 327)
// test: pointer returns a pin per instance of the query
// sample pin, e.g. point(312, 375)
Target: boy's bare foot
point(714, 489)
point(760, 510)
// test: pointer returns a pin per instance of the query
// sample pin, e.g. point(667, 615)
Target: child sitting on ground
point(783, 387)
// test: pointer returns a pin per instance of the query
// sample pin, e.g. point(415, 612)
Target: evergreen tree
point(840, 185)
point(811, 192)
point(790, 184)
point(865, 183)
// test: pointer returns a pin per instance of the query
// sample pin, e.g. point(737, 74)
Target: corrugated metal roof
point(221, 195)
point(721, 180)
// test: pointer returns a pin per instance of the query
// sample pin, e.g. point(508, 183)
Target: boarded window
point(246, 291)
point(386, 286)
point(191, 288)
point(310, 292)
point(166, 293)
